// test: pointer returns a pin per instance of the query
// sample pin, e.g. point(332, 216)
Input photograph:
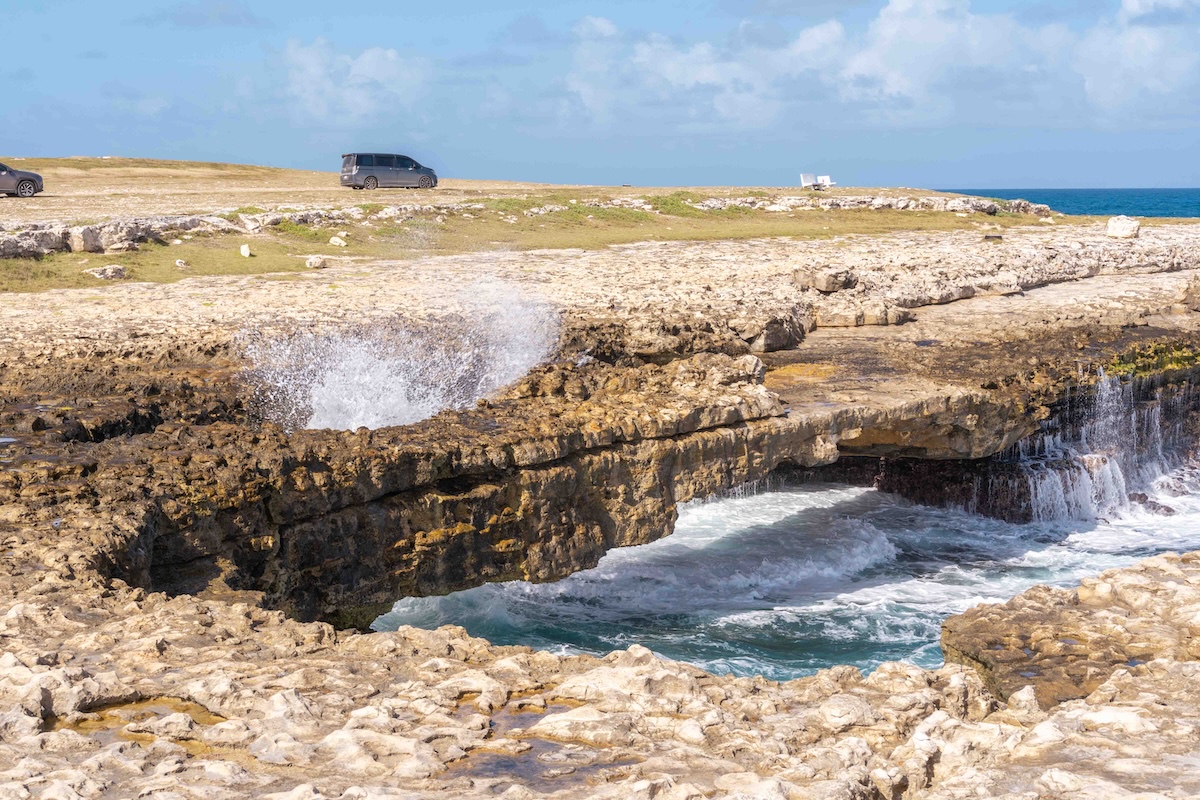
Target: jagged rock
point(1123, 227)
point(171, 486)
point(1066, 643)
point(111, 272)
point(316, 262)
point(972, 205)
point(1026, 207)
point(826, 280)
point(85, 238)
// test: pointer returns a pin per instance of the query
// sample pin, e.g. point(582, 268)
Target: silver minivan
point(19, 182)
point(373, 170)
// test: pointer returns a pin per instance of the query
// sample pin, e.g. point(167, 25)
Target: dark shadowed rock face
point(158, 469)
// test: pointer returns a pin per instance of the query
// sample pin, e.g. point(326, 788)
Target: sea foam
point(399, 371)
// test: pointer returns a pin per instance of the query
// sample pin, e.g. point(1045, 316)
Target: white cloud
point(916, 62)
point(333, 87)
point(596, 62)
point(1127, 67)
point(1137, 9)
point(595, 28)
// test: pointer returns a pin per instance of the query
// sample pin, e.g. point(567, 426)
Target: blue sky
point(939, 93)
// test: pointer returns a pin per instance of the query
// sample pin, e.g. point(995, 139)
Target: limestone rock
point(111, 272)
point(1026, 207)
point(826, 280)
point(1064, 643)
point(85, 238)
point(316, 262)
point(337, 241)
point(245, 251)
point(1123, 227)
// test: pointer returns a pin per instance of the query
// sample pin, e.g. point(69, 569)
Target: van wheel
point(26, 189)
point(425, 182)
point(371, 183)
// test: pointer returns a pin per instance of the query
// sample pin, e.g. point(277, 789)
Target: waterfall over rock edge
point(1102, 449)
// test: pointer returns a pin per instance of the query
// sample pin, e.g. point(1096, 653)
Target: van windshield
point(347, 163)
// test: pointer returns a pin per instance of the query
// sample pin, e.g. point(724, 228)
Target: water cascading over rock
point(1101, 450)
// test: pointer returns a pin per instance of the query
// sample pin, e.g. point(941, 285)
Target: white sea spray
point(399, 371)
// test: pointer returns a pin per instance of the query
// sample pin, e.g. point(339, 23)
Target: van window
point(366, 161)
point(404, 162)
point(385, 161)
point(347, 163)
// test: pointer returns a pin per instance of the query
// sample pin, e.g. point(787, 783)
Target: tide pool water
point(1105, 202)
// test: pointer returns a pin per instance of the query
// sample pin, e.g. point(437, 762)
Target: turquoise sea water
point(791, 581)
point(1105, 202)
point(785, 582)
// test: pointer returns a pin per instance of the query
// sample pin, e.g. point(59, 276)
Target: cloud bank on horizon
point(938, 92)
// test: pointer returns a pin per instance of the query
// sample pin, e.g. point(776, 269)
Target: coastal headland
point(189, 566)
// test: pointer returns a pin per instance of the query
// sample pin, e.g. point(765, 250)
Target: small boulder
point(316, 262)
point(827, 280)
point(1123, 227)
point(84, 238)
point(112, 272)
point(337, 241)
point(245, 250)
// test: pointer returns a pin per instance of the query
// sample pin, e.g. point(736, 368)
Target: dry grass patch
point(282, 248)
point(593, 228)
point(215, 255)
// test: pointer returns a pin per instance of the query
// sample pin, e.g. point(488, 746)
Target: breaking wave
point(798, 578)
point(398, 372)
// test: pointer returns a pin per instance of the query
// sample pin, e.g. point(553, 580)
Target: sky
point(930, 93)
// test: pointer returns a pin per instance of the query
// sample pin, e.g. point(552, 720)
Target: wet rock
point(1065, 643)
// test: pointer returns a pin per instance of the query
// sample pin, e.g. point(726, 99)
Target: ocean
point(786, 581)
point(1105, 202)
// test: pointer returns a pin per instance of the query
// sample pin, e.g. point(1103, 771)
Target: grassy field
point(85, 190)
point(285, 247)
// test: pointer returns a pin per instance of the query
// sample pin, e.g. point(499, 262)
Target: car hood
point(24, 173)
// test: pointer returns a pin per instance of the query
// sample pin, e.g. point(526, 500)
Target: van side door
point(366, 168)
point(406, 171)
point(385, 170)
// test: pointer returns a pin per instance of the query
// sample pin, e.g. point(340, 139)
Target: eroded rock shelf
point(162, 545)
